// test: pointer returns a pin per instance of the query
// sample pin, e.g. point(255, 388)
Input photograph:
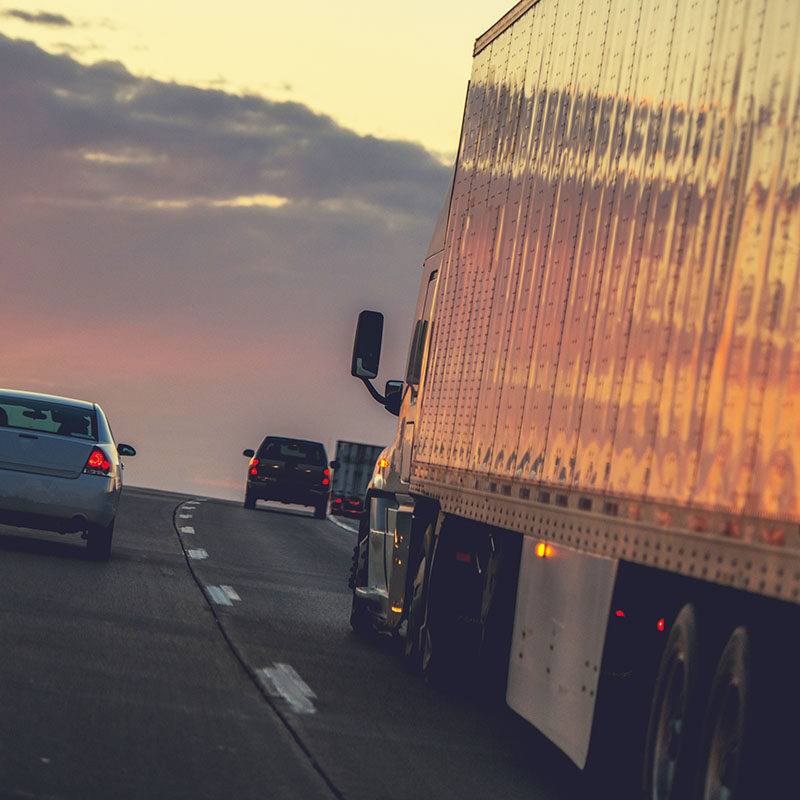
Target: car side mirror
point(367, 345)
point(334, 465)
point(126, 450)
point(393, 394)
point(249, 453)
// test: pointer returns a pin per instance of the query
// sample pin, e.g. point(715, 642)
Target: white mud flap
point(563, 606)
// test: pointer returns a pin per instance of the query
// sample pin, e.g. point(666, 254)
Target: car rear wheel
point(98, 542)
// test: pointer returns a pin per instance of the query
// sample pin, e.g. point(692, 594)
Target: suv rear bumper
point(303, 496)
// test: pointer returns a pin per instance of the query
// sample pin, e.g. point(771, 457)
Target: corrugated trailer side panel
point(500, 288)
point(582, 224)
point(780, 425)
point(761, 137)
point(486, 205)
point(536, 31)
point(626, 232)
point(554, 199)
point(699, 275)
point(620, 251)
point(447, 357)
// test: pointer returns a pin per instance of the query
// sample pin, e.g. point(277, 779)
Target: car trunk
point(43, 453)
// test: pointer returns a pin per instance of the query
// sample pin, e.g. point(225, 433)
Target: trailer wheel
point(675, 713)
point(728, 723)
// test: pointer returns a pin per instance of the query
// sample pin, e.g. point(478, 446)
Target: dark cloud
point(191, 249)
point(42, 18)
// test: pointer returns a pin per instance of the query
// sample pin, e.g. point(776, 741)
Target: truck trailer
point(355, 463)
point(591, 506)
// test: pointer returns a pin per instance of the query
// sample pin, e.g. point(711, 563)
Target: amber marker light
point(397, 609)
point(383, 463)
point(544, 550)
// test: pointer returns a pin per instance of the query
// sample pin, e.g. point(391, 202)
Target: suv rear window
point(275, 449)
point(45, 416)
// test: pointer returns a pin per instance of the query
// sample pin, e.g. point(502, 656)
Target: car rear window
point(46, 416)
point(274, 449)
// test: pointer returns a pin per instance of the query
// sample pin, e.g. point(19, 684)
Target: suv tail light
point(98, 463)
point(253, 466)
point(326, 480)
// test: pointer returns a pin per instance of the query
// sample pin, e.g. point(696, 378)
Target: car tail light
point(253, 466)
point(98, 463)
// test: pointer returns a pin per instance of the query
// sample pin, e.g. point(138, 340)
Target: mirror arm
point(373, 391)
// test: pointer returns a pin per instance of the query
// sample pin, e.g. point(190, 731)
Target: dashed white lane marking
point(197, 554)
point(187, 529)
point(223, 595)
point(231, 592)
point(281, 680)
point(218, 596)
point(184, 516)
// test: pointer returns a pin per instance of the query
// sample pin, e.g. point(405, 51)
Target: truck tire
point(673, 729)
point(98, 541)
point(727, 750)
point(360, 618)
point(446, 658)
point(416, 620)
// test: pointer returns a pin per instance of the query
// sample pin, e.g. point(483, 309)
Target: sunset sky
point(195, 207)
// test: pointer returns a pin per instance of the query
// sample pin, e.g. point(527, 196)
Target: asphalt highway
point(212, 657)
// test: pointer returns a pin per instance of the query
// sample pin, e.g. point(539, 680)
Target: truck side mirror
point(367, 345)
point(393, 396)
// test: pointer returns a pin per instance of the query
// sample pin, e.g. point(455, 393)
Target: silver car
point(59, 467)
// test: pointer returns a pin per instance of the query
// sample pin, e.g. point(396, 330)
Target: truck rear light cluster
point(98, 463)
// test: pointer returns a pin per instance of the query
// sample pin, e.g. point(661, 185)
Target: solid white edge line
point(344, 527)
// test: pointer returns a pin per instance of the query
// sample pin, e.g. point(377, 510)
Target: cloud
point(193, 255)
point(42, 18)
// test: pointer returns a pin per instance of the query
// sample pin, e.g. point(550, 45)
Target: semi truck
point(591, 506)
point(355, 462)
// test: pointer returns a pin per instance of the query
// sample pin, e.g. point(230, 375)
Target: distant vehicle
point(350, 479)
point(289, 471)
point(59, 467)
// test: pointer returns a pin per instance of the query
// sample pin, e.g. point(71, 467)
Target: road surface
point(212, 658)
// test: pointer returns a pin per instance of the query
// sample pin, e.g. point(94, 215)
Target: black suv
point(290, 471)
